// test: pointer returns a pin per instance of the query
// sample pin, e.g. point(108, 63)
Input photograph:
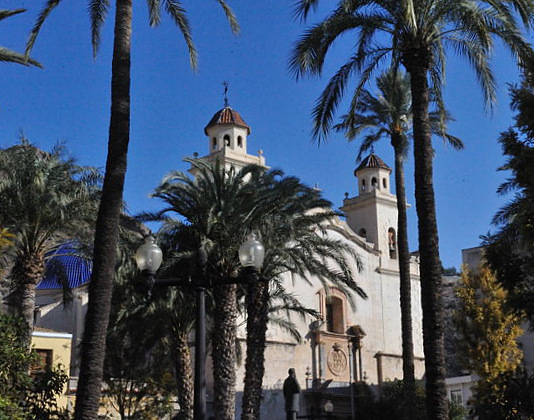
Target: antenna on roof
point(372, 149)
point(225, 84)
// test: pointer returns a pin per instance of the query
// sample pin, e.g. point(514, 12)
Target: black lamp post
point(149, 258)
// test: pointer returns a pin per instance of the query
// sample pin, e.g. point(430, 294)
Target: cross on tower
point(225, 94)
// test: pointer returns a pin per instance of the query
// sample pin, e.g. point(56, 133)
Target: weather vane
point(225, 84)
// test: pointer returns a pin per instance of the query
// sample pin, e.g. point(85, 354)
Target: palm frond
point(232, 20)
point(178, 14)
point(9, 56)
point(302, 8)
point(4, 13)
point(49, 6)
point(154, 12)
point(98, 10)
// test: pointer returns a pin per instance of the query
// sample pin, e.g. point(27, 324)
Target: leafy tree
point(45, 196)
point(14, 361)
point(487, 331)
point(10, 56)
point(41, 397)
point(417, 35)
point(510, 251)
point(514, 401)
point(23, 397)
point(107, 225)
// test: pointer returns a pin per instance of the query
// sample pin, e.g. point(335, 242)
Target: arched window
point(374, 182)
point(392, 243)
point(334, 315)
point(226, 140)
point(214, 143)
point(362, 233)
point(363, 184)
point(384, 183)
point(239, 141)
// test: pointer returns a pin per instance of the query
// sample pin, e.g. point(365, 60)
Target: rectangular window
point(329, 317)
point(43, 360)
point(456, 396)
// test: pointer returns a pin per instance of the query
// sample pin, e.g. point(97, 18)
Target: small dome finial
point(225, 94)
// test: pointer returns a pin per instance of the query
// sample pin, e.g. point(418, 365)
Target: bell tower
point(373, 213)
point(227, 134)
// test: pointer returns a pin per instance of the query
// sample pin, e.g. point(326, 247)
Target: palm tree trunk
point(27, 272)
point(224, 352)
point(405, 284)
point(431, 282)
point(106, 235)
point(181, 356)
point(257, 318)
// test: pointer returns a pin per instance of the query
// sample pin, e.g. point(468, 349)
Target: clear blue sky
point(69, 100)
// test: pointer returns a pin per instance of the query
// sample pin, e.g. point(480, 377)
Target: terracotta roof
point(227, 116)
point(372, 161)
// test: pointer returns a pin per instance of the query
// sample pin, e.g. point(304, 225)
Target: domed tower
point(227, 138)
point(373, 213)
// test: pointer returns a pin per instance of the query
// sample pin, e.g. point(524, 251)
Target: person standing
point(291, 395)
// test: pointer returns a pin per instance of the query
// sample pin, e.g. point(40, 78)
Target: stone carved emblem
point(337, 360)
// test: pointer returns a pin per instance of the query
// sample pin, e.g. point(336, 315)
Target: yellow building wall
point(60, 345)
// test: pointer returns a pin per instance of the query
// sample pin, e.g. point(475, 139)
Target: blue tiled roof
point(64, 264)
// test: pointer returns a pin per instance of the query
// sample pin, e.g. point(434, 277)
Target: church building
point(350, 344)
point(360, 344)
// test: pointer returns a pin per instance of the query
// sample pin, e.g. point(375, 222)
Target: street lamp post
point(149, 258)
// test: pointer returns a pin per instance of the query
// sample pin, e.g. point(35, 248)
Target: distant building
point(53, 349)
point(64, 268)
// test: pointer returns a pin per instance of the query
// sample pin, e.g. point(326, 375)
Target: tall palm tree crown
point(416, 34)
point(386, 115)
point(106, 234)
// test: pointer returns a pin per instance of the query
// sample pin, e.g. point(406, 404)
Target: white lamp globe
point(149, 256)
point(251, 253)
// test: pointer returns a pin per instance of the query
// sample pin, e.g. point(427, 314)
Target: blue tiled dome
point(64, 262)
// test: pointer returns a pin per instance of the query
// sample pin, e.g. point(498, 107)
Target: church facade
point(358, 343)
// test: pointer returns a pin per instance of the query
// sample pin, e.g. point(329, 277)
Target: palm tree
point(10, 56)
point(45, 196)
point(221, 206)
point(106, 234)
point(296, 243)
point(218, 205)
point(416, 34)
point(389, 116)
